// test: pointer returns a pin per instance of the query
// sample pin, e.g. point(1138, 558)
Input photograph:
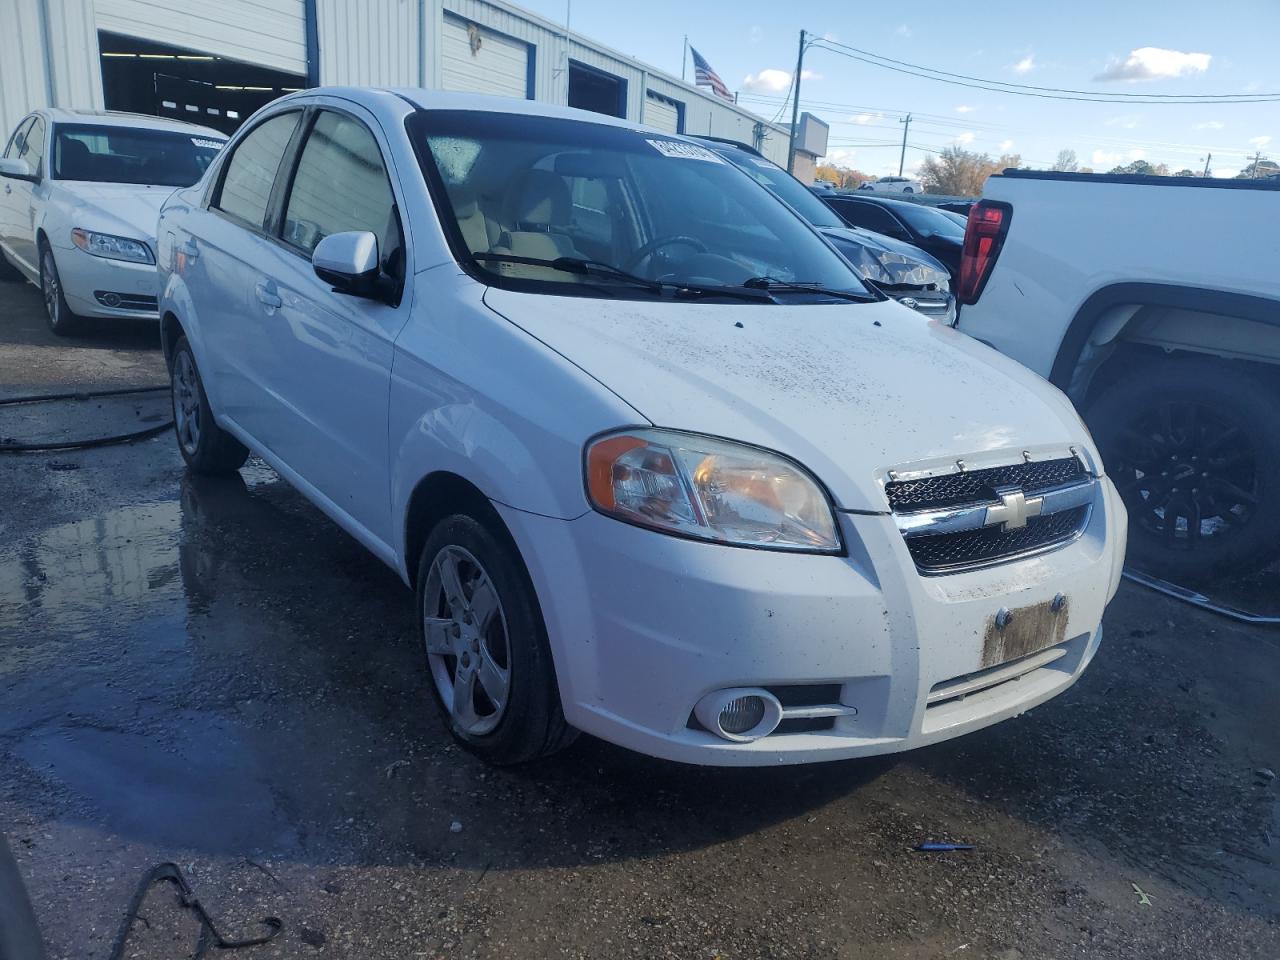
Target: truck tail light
point(983, 238)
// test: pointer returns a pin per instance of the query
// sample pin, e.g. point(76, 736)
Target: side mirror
point(349, 261)
point(16, 169)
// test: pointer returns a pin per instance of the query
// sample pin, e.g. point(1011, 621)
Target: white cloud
point(1210, 125)
point(966, 137)
point(1223, 174)
point(756, 33)
point(1025, 65)
point(903, 30)
point(862, 119)
point(841, 156)
point(1259, 142)
point(1126, 120)
point(1137, 154)
point(1006, 146)
point(1101, 158)
point(965, 108)
point(1155, 63)
point(768, 80)
point(831, 36)
point(810, 75)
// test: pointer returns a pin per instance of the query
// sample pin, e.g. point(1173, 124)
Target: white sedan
point(79, 196)
point(659, 464)
point(892, 185)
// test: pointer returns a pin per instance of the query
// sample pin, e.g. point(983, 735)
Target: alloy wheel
point(186, 403)
point(1188, 475)
point(468, 647)
point(52, 289)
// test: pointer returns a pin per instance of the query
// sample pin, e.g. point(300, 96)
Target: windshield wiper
point(575, 265)
point(806, 286)
point(598, 268)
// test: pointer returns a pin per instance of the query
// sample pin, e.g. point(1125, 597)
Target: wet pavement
point(212, 673)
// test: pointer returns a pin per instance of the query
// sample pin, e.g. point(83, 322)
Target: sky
point(1175, 47)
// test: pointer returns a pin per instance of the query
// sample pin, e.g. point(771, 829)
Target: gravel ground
point(214, 674)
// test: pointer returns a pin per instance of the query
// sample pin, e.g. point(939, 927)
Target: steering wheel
point(656, 244)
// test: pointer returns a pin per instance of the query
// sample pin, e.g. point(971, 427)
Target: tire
point(1198, 439)
point(19, 935)
point(206, 447)
point(487, 656)
point(62, 321)
point(908, 189)
point(8, 272)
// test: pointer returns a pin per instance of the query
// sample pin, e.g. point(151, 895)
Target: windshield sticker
point(761, 162)
point(207, 144)
point(683, 151)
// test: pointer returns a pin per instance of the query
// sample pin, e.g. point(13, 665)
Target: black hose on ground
point(10, 446)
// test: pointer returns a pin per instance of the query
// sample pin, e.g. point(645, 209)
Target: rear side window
point(872, 217)
point(251, 169)
point(341, 185)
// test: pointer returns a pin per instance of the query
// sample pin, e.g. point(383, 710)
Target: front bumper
point(642, 625)
point(85, 276)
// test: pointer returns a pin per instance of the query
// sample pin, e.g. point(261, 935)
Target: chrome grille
point(949, 551)
point(974, 486)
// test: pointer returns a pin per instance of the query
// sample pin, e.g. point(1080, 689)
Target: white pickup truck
point(1154, 302)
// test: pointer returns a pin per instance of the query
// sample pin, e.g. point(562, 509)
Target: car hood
point(849, 390)
point(125, 209)
point(878, 241)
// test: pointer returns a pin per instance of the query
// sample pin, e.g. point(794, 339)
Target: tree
point(1142, 169)
point(838, 176)
point(1184, 172)
point(1066, 162)
point(1259, 168)
point(961, 173)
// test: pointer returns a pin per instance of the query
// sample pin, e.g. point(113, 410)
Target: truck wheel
point(486, 645)
point(1194, 449)
point(206, 447)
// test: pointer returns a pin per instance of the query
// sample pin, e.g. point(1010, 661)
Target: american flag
point(704, 76)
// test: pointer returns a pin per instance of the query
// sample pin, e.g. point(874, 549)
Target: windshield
point(108, 154)
point(926, 220)
point(791, 190)
point(554, 205)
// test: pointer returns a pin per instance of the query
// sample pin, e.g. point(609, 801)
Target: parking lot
point(212, 673)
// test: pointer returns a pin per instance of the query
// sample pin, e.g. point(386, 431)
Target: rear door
point(224, 254)
point(29, 195)
point(11, 201)
point(331, 353)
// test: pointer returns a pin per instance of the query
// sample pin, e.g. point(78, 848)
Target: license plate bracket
point(1011, 634)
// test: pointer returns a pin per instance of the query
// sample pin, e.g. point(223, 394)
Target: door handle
point(267, 296)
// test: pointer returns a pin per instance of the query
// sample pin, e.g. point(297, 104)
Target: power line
point(1027, 90)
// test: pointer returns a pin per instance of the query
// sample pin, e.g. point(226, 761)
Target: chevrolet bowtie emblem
point(1013, 510)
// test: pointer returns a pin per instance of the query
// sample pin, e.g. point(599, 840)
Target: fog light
point(109, 299)
point(740, 715)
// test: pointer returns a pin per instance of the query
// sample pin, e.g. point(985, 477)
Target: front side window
point(791, 190)
point(111, 154)
point(33, 147)
point(552, 205)
point(19, 139)
point(871, 217)
point(340, 185)
point(929, 222)
point(251, 169)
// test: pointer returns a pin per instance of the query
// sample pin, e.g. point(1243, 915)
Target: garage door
point(662, 113)
point(476, 60)
point(271, 33)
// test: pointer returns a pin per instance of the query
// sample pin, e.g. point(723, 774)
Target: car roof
point(448, 100)
point(134, 121)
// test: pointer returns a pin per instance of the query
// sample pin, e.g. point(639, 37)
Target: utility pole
point(684, 56)
point(795, 108)
point(902, 157)
point(1256, 160)
point(1206, 164)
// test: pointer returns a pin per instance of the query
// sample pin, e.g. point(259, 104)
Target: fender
point(1244, 306)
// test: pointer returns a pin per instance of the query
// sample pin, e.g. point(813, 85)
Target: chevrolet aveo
point(659, 465)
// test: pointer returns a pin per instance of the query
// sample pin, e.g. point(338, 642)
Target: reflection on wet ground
point(212, 672)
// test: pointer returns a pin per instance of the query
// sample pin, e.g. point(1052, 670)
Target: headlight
point(697, 486)
point(111, 247)
point(863, 261)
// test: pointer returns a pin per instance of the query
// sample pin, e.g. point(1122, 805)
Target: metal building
point(216, 61)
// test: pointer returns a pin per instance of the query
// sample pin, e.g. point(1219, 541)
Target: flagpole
point(684, 56)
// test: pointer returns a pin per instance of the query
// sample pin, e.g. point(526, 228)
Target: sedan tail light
point(983, 238)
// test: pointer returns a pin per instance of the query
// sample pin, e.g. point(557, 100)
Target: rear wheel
point(1194, 449)
point(61, 320)
point(206, 447)
point(486, 645)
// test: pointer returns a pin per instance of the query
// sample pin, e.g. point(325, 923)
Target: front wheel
point(1193, 446)
point(61, 320)
point(908, 189)
point(206, 447)
point(486, 645)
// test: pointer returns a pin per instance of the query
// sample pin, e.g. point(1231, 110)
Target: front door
point(17, 217)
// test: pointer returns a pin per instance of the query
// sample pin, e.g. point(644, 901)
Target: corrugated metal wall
point(373, 43)
point(29, 78)
point(267, 32)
